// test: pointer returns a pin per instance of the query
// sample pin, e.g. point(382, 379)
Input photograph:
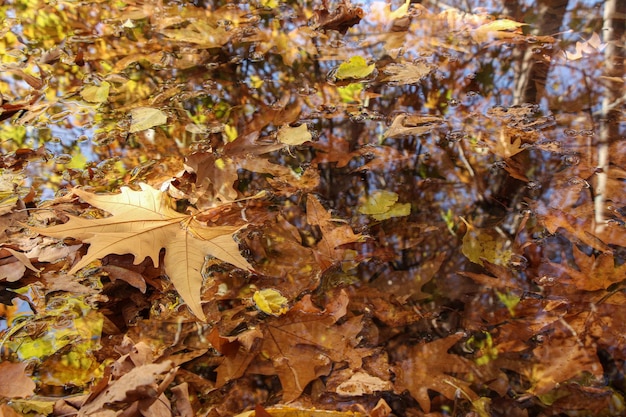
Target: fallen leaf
point(333, 233)
point(143, 223)
point(407, 73)
point(140, 383)
point(355, 67)
point(294, 136)
point(498, 29)
point(484, 243)
point(382, 205)
point(362, 383)
point(341, 19)
point(14, 382)
point(303, 344)
point(143, 118)
point(270, 301)
point(200, 33)
point(96, 93)
point(428, 367)
point(594, 272)
point(412, 124)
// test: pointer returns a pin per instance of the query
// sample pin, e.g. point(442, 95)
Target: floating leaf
point(96, 93)
point(294, 136)
point(142, 224)
point(355, 67)
point(146, 117)
point(412, 124)
point(407, 73)
point(14, 383)
point(498, 29)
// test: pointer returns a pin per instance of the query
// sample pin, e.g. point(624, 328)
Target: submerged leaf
point(382, 205)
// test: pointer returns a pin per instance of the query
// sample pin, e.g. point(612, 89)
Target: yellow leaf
point(355, 67)
point(143, 118)
point(96, 93)
point(498, 29)
point(382, 205)
point(294, 135)
point(270, 301)
point(479, 244)
point(378, 202)
point(143, 223)
point(400, 11)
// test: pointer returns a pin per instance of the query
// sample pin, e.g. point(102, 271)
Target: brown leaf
point(333, 233)
point(14, 383)
point(303, 345)
point(141, 383)
point(341, 19)
point(594, 272)
point(412, 124)
point(142, 223)
point(428, 367)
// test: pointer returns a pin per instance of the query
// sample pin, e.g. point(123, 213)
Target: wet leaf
point(382, 205)
point(356, 67)
point(498, 29)
point(407, 73)
point(479, 244)
point(14, 382)
point(429, 367)
point(303, 344)
point(143, 118)
point(294, 136)
point(334, 234)
point(142, 224)
point(96, 93)
point(270, 301)
point(406, 124)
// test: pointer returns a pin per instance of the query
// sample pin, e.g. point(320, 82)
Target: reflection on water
point(477, 147)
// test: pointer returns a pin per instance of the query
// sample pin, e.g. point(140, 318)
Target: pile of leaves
point(288, 209)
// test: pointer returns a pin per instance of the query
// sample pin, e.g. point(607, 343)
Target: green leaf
point(355, 67)
point(350, 93)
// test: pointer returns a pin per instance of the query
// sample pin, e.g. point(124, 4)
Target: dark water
point(479, 147)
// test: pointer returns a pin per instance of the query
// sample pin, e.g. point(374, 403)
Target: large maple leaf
point(143, 223)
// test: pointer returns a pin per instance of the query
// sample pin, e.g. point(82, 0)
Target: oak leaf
point(143, 223)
